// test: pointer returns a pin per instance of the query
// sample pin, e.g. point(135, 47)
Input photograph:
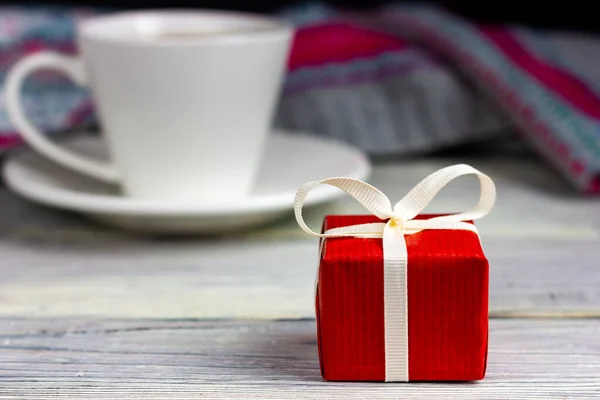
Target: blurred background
point(395, 79)
point(553, 15)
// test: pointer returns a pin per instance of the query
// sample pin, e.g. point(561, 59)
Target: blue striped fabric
point(419, 99)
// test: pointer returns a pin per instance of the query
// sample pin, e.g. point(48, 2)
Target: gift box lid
point(428, 243)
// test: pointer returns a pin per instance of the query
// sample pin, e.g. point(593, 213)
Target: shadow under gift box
point(447, 305)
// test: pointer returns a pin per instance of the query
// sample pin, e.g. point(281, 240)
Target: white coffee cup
point(185, 99)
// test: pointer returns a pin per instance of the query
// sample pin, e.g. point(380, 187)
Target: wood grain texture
point(543, 245)
point(84, 358)
point(86, 312)
point(261, 280)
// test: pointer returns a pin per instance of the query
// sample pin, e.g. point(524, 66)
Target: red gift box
point(402, 296)
point(447, 295)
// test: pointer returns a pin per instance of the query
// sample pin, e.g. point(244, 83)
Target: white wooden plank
point(261, 280)
point(230, 359)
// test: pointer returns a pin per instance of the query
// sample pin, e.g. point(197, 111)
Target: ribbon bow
point(400, 222)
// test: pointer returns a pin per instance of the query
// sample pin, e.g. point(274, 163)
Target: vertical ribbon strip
point(400, 222)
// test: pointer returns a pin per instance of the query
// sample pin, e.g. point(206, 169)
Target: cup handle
point(74, 69)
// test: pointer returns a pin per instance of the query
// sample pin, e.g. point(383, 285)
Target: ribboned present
point(402, 296)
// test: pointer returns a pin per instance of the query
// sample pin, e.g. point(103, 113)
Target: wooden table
point(86, 312)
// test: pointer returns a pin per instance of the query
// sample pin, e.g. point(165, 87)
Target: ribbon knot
point(400, 222)
point(397, 222)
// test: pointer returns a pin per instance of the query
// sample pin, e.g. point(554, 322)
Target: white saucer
point(290, 160)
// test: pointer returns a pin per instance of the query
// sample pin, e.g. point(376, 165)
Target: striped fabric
point(381, 81)
point(52, 103)
point(556, 107)
point(378, 92)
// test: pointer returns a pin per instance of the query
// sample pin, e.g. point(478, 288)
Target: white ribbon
point(395, 256)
